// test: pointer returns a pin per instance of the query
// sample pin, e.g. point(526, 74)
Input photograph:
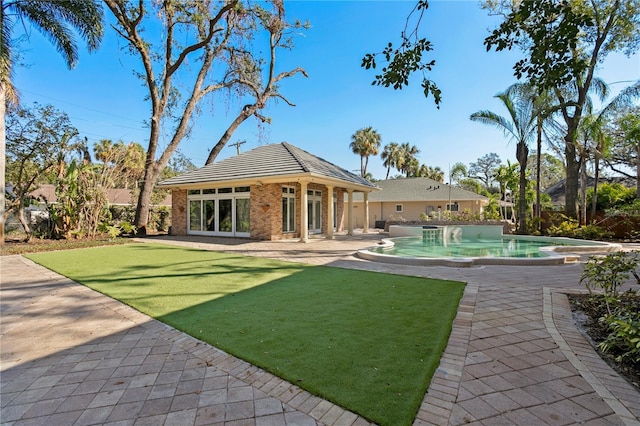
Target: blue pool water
point(468, 247)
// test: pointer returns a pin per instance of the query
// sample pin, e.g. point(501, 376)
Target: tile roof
point(267, 161)
point(417, 189)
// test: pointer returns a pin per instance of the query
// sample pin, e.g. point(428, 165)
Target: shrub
point(567, 227)
point(592, 232)
point(622, 319)
point(608, 273)
point(624, 338)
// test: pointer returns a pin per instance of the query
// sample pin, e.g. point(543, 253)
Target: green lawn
point(367, 341)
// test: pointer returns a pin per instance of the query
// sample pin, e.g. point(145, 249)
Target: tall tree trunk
point(23, 220)
point(571, 181)
point(522, 154)
point(2, 159)
point(583, 189)
point(638, 170)
point(144, 199)
point(538, 161)
point(596, 176)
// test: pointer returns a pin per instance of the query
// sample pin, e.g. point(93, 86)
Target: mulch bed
point(587, 310)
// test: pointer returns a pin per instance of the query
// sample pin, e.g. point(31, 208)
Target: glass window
point(398, 208)
point(224, 215)
point(288, 209)
point(453, 207)
point(195, 215)
point(225, 190)
point(241, 189)
point(209, 191)
point(193, 192)
point(242, 215)
point(209, 215)
point(317, 218)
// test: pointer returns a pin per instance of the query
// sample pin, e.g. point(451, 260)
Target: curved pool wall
point(556, 255)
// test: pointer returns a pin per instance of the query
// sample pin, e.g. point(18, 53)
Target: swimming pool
point(478, 245)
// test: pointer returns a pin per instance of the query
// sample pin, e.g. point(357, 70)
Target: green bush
point(567, 227)
point(592, 232)
point(609, 272)
point(570, 227)
point(624, 338)
point(611, 195)
point(622, 319)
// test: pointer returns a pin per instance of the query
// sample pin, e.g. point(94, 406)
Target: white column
point(330, 212)
point(365, 226)
point(304, 216)
point(350, 213)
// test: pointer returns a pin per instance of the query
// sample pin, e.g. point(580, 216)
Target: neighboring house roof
point(116, 196)
point(418, 189)
point(558, 190)
point(268, 161)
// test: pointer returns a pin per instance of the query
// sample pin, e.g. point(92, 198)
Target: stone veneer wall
point(179, 212)
point(266, 212)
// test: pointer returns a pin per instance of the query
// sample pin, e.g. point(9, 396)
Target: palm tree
point(506, 177)
point(408, 163)
point(390, 156)
point(625, 99)
point(365, 142)
point(520, 126)
point(435, 173)
point(544, 108)
point(457, 172)
point(58, 21)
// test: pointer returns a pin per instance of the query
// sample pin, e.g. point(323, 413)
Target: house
point(272, 192)
point(558, 190)
point(407, 199)
point(116, 196)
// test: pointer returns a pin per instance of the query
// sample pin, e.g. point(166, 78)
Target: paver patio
point(70, 355)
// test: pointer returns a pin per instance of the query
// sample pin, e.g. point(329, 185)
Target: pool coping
point(556, 255)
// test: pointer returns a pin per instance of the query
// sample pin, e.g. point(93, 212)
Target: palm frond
point(625, 98)
point(492, 119)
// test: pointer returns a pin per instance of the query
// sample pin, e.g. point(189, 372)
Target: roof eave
point(295, 177)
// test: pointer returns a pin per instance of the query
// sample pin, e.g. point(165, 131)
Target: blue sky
point(106, 101)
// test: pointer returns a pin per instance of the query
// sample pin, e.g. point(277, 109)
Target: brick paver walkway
point(72, 356)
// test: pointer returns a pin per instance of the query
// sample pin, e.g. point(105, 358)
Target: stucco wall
point(410, 210)
point(179, 212)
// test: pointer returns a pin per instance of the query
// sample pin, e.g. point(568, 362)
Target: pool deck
point(70, 355)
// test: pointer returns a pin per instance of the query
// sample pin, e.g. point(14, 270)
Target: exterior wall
point(179, 212)
point(410, 210)
point(266, 211)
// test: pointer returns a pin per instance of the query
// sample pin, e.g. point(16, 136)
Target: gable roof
point(274, 160)
point(558, 190)
point(417, 189)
